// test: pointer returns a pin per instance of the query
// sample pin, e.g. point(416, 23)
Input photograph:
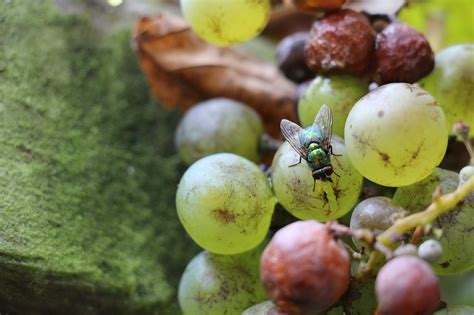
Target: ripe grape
point(458, 254)
point(290, 57)
point(225, 23)
point(340, 92)
point(225, 203)
point(395, 135)
point(215, 284)
point(407, 285)
point(304, 269)
point(451, 83)
point(430, 250)
point(402, 54)
point(264, 308)
point(219, 125)
point(293, 186)
point(341, 42)
point(374, 214)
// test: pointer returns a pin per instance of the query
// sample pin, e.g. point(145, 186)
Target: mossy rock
point(88, 172)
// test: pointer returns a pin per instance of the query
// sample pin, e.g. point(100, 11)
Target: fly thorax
point(317, 155)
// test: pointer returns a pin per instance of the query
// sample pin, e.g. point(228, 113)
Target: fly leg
point(296, 163)
point(332, 153)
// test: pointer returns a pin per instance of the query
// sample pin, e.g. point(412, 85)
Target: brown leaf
point(182, 70)
point(376, 7)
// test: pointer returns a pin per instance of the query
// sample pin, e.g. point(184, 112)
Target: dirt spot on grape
point(449, 218)
point(337, 192)
point(362, 142)
point(445, 264)
point(421, 93)
point(380, 113)
point(223, 215)
point(384, 156)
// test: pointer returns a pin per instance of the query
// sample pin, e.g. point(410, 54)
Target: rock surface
point(88, 172)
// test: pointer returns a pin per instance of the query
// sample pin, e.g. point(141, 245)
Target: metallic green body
point(316, 157)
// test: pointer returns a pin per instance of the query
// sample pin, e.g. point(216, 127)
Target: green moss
point(88, 172)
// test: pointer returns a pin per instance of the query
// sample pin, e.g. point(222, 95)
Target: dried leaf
point(376, 7)
point(182, 70)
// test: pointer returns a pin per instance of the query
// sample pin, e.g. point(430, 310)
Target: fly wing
point(291, 132)
point(323, 120)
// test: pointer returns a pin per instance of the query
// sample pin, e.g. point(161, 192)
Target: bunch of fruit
point(395, 135)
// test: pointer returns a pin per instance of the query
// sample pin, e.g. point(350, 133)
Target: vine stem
point(439, 206)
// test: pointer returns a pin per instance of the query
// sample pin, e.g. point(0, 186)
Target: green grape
point(444, 22)
point(219, 125)
point(229, 22)
point(340, 92)
point(458, 253)
point(374, 214)
point(363, 293)
point(396, 135)
point(452, 83)
point(225, 203)
point(456, 310)
point(458, 289)
point(263, 308)
point(293, 186)
point(215, 284)
point(359, 298)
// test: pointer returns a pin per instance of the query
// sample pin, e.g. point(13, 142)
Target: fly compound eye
point(313, 146)
point(329, 170)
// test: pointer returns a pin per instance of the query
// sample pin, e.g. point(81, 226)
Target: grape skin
point(395, 135)
point(452, 83)
point(341, 92)
point(229, 22)
point(407, 285)
point(293, 186)
point(261, 309)
point(215, 284)
point(225, 203)
point(218, 125)
point(456, 310)
point(304, 269)
point(458, 252)
point(374, 214)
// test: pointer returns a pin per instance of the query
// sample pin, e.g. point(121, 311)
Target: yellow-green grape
point(452, 83)
point(264, 308)
point(219, 125)
point(456, 310)
point(396, 135)
point(364, 301)
point(359, 298)
point(443, 22)
point(225, 203)
point(228, 22)
point(215, 284)
point(340, 92)
point(293, 186)
point(456, 240)
point(458, 289)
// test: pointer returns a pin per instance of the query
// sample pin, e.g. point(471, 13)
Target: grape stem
point(439, 206)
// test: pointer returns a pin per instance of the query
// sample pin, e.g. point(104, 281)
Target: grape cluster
point(395, 136)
